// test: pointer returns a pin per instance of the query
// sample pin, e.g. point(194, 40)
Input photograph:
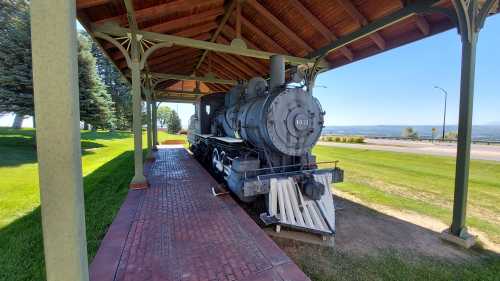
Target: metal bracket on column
point(123, 43)
point(471, 17)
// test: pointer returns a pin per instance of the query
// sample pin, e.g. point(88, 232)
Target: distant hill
point(479, 132)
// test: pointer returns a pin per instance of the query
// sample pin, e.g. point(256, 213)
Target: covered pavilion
point(178, 50)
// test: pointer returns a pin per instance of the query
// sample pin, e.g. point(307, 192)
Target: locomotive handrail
point(256, 171)
point(261, 177)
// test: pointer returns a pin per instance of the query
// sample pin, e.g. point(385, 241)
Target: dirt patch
point(367, 230)
point(173, 142)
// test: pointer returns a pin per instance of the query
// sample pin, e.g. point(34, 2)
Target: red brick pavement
point(177, 230)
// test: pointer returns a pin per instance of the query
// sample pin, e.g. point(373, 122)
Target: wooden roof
point(293, 27)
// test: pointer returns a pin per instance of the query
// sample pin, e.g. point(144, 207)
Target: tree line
point(104, 95)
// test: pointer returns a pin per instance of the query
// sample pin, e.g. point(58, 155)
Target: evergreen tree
point(95, 102)
point(117, 87)
point(163, 115)
point(16, 86)
point(174, 123)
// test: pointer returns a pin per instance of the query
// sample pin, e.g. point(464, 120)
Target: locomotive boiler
point(258, 139)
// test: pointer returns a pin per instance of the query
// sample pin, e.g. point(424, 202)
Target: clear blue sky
point(397, 86)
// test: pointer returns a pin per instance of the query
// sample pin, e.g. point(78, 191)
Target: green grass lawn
point(419, 183)
point(107, 168)
point(410, 182)
point(326, 264)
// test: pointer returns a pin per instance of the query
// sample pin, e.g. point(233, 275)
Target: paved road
point(478, 151)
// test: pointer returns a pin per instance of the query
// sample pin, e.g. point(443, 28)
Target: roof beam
point(402, 14)
point(222, 64)
point(211, 80)
point(197, 30)
point(164, 54)
point(158, 11)
point(169, 26)
point(269, 41)
point(193, 32)
point(283, 28)
point(180, 92)
point(132, 22)
point(321, 28)
point(84, 4)
point(180, 53)
point(204, 69)
point(241, 67)
point(362, 21)
point(254, 64)
point(174, 65)
point(423, 25)
point(217, 31)
point(420, 20)
point(192, 43)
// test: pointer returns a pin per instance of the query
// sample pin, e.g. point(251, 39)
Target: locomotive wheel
point(217, 165)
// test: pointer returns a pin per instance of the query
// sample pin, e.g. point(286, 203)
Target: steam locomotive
point(258, 139)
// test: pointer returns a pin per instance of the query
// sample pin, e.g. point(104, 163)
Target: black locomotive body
point(252, 133)
point(258, 138)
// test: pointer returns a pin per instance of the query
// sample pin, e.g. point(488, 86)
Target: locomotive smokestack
point(277, 72)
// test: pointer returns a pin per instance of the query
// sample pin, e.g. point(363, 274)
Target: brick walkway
point(176, 230)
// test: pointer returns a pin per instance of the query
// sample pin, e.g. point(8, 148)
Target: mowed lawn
point(420, 183)
point(423, 184)
point(107, 162)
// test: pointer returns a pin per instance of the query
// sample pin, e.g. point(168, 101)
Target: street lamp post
point(444, 114)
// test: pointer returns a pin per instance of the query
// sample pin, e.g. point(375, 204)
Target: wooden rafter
point(193, 78)
point(204, 70)
point(166, 53)
point(349, 7)
point(320, 27)
point(423, 25)
point(239, 74)
point(420, 20)
point(217, 31)
point(183, 69)
point(90, 3)
point(161, 10)
point(172, 64)
point(254, 64)
point(180, 23)
point(115, 30)
point(305, 48)
point(240, 66)
point(197, 30)
point(263, 36)
point(175, 56)
point(232, 72)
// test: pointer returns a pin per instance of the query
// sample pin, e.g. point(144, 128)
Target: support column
point(55, 80)
point(139, 180)
point(471, 19)
point(149, 125)
point(464, 136)
point(155, 124)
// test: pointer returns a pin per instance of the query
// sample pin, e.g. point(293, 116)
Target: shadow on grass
point(104, 135)
point(21, 247)
point(370, 245)
point(16, 150)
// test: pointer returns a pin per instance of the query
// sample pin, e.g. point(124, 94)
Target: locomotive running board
point(288, 207)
